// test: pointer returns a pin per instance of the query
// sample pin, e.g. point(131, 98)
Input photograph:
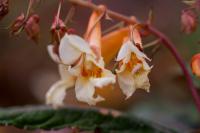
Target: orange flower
point(195, 64)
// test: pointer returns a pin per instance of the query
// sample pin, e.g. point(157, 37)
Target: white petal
point(106, 79)
point(68, 53)
point(52, 54)
point(124, 51)
point(80, 44)
point(138, 53)
point(126, 83)
point(57, 92)
point(121, 69)
point(85, 91)
point(142, 80)
point(76, 70)
point(64, 73)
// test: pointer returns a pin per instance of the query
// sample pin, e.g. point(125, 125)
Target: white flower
point(57, 92)
point(133, 69)
point(85, 71)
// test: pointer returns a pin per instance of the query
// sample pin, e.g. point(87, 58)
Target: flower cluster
point(82, 66)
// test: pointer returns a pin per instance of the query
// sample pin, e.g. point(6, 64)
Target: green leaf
point(38, 117)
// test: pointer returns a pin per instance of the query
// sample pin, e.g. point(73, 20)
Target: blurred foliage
point(37, 117)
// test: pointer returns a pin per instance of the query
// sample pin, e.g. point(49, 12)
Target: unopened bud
point(32, 27)
point(188, 21)
point(4, 7)
point(17, 25)
point(58, 30)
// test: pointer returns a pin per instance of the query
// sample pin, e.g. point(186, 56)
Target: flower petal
point(106, 79)
point(68, 53)
point(195, 64)
point(142, 81)
point(52, 54)
point(134, 49)
point(64, 73)
point(136, 37)
point(76, 70)
point(112, 42)
point(93, 34)
point(99, 63)
point(80, 44)
point(126, 83)
point(85, 91)
point(57, 92)
point(124, 51)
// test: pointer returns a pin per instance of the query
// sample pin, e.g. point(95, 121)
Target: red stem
point(180, 61)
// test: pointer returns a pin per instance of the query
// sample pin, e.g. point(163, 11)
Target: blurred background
point(27, 72)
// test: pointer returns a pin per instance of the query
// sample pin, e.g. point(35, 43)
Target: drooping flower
point(195, 64)
point(133, 70)
point(85, 68)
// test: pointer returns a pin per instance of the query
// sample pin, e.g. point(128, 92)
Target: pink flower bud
point(32, 27)
point(188, 21)
point(58, 30)
point(3, 8)
point(18, 24)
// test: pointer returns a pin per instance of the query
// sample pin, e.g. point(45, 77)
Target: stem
point(180, 61)
point(58, 12)
point(29, 8)
point(168, 44)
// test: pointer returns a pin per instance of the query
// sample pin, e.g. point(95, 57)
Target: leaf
point(42, 117)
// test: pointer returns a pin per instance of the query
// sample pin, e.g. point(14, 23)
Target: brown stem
point(156, 33)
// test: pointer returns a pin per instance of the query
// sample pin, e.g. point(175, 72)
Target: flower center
point(91, 70)
point(133, 62)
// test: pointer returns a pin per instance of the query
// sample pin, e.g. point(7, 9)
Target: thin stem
point(180, 61)
point(165, 41)
point(29, 8)
point(70, 14)
point(58, 12)
point(150, 44)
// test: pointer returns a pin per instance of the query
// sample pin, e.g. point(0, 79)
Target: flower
point(133, 70)
point(58, 29)
point(195, 64)
point(85, 67)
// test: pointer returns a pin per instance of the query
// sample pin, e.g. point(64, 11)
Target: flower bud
point(17, 25)
point(188, 21)
point(3, 8)
point(58, 30)
point(32, 27)
point(195, 64)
